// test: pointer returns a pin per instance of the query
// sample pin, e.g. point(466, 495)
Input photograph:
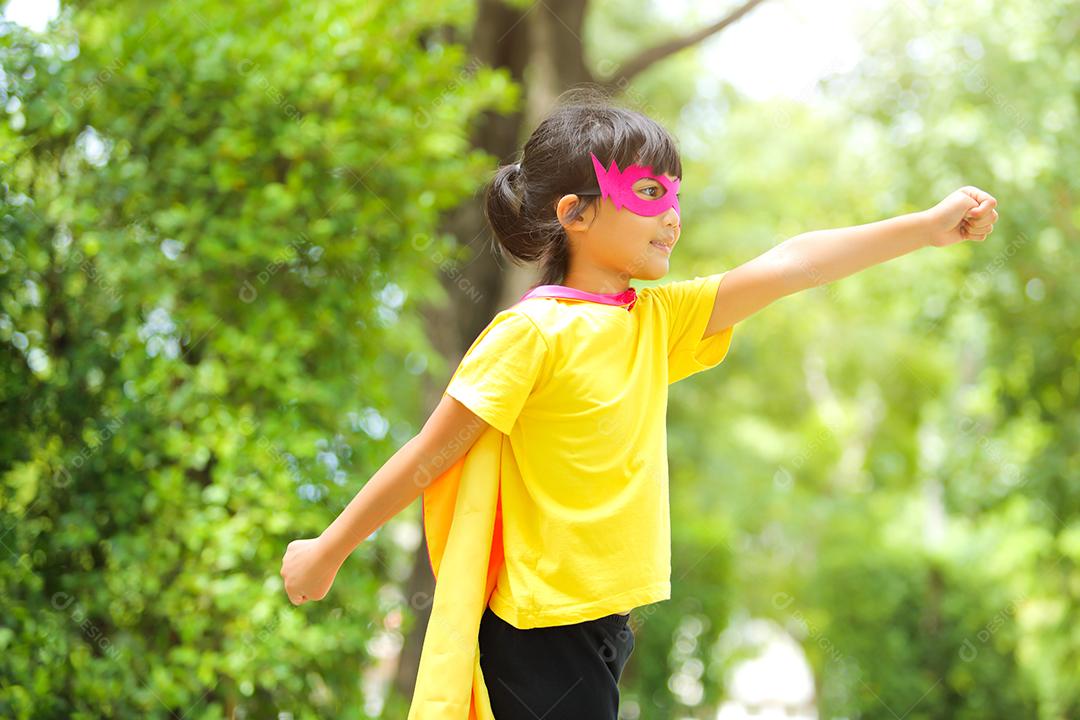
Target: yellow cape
point(463, 526)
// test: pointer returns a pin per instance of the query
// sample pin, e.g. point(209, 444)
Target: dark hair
point(519, 202)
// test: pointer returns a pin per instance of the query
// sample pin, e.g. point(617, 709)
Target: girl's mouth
point(666, 249)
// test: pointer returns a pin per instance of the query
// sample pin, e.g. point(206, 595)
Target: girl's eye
point(659, 191)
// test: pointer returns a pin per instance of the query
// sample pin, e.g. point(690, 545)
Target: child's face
point(620, 241)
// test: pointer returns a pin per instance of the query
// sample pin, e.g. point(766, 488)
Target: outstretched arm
point(310, 565)
point(821, 256)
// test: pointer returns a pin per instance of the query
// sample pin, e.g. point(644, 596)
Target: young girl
point(544, 468)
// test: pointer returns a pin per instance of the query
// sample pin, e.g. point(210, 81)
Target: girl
point(543, 468)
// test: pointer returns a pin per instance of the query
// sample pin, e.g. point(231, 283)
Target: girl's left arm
point(821, 256)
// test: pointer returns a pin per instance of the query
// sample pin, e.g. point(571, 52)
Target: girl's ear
point(564, 208)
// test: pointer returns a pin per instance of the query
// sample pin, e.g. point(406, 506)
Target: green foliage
point(898, 452)
point(218, 223)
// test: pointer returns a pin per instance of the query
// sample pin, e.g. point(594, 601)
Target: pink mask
point(619, 186)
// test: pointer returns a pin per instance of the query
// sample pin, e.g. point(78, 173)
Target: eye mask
point(619, 186)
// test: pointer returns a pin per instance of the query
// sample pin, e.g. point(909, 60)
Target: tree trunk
point(500, 39)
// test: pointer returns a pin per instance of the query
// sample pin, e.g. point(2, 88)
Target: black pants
point(563, 672)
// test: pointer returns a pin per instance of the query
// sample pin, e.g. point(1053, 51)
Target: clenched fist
point(966, 214)
point(309, 570)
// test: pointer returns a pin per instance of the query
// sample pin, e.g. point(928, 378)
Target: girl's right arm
point(310, 565)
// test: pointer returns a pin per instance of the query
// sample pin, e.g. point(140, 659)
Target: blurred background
point(241, 252)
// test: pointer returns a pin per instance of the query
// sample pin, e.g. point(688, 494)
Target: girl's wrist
point(332, 551)
point(928, 225)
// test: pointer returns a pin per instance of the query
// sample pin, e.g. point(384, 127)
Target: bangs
point(641, 141)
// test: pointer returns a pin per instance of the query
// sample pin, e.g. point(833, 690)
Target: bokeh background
point(241, 252)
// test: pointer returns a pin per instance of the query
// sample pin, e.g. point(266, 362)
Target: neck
point(597, 280)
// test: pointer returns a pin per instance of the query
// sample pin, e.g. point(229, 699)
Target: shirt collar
point(627, 297)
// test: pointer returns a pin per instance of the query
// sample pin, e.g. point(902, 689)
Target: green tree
point(218, 223)
point(894, 456)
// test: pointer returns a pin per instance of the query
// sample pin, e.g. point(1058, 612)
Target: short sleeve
point(500, 369)
point(687, 305)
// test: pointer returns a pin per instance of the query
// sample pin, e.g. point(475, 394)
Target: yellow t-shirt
point(580, 388)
